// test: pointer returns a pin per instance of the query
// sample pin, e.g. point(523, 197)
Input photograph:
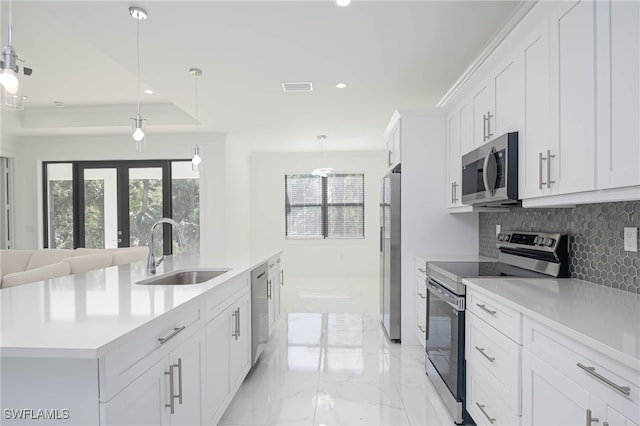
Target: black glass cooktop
point(484, 269)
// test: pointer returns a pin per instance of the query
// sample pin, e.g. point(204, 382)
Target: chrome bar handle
point(484, 308)
point(268, 289)
point(175, 331)
point(540, 159)
point(455, 192)
point(424, 271)
point(591, 419)
point(491, 419)
point(549, 157)
point(235, 324)
point(238, 322)
point(484, 128)
point(605, 424)
point(481, 350)
point(422, 296)
point(282, 277)
point(625, 390)
point(179, 365)
point(421, 329)
point(489, 117)
point(171, 404)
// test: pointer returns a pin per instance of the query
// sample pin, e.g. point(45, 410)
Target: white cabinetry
point(618, 159)
point(393, 136)
point(228, 337)
point(421, 300)
point(274, 293)
point(568, 383)
point(493, 356)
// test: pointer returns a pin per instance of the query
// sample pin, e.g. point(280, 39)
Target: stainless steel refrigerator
point(390, 253)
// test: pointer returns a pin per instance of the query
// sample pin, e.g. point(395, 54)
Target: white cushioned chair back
point(44, 257)
point(14, 260)
point(54, 270)
point(89, 262)
point(124, 255)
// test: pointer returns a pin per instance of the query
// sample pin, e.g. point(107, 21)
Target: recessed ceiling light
point(341, 85)
point(343, 3)
point(148, 91)
point(58, 104)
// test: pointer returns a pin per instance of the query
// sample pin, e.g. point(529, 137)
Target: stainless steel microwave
point(490, 173)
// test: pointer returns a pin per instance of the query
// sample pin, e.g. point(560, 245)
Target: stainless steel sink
point(184, 277)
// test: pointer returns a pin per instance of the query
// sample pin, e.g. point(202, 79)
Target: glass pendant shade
point(196, 160)
point(12, 97)
point(139, 135)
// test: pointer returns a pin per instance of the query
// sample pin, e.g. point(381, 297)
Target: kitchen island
point(98, 348)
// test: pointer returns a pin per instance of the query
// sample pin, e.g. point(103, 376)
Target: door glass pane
point(100, 208)
point(145, 206)
point(185, 201)
point(60, 206)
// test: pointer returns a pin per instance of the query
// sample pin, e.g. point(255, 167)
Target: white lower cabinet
point(228, 337)
point(568, 383)
point(493, 361)
point(169, 393)
point(274, 291)
point(421, 300)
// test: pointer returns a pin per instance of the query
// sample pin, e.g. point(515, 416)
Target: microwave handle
point(485, 171)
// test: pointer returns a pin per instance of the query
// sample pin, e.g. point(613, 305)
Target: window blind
point(324, 207)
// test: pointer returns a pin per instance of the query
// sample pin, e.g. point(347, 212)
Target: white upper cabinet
point(570, 158)
point(483, 113)
point(393, 146)
point(453, 158)
point(533, 138)
point(618, 161)
point(508, 92)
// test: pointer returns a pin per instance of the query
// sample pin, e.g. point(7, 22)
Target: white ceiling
point(392, 54)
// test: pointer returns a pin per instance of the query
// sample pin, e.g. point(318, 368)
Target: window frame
point(324, 208)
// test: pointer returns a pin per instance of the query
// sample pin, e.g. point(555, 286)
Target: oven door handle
point(489, 161)
point(456, 303)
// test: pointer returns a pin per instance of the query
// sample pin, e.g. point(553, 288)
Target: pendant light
point(139, 14)
point(322, 171)
point(10, 77)
point(196, 160)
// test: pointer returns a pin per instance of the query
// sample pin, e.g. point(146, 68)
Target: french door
point(118, 202)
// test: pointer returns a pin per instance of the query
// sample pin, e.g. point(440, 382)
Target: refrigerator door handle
point(381, 238)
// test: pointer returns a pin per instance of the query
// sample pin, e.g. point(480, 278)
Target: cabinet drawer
point(141, 349)
point(564, 354)
point(220, 298)
point(497, 354)
point(504, 319)
point(421, 289)
point(487, 399)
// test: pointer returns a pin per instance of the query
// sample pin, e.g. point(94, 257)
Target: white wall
point(237, 202)
point(315, 257)
point(31, 152)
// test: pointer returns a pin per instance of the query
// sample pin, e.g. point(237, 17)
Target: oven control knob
point(500, 237)
point(506, 237)
point(549, 242)
point(538, 240)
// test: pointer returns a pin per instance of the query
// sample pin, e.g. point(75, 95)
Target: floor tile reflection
point(328, 362)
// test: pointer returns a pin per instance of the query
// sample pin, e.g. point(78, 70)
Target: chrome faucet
point(151, 261)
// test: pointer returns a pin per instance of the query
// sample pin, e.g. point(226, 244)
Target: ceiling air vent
point(297, 86)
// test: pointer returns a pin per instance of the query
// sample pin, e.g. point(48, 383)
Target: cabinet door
point(218, 340)
point(573, 85)
point(240, 351)
point(508, 94)
point(454, 161)
point(142, 402)
point(271, 283)
point(465, 112)
point(534, 136)
point(618, 93)
point(187, 363)
point(483, 114)
point(549, 397)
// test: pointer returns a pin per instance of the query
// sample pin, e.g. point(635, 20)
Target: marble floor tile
point(329, 362)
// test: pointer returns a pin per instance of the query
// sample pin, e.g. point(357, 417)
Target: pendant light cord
point(10, 23)
point(138, 56)
point(195, 77)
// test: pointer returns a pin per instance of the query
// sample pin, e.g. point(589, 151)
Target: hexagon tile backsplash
point(596, 242)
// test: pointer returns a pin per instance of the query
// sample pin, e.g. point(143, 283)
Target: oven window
point(443, 342)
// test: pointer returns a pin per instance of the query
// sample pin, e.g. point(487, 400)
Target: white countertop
point(603, 318)
point(77, 315)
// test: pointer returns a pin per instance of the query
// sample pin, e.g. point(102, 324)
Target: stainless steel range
point(521, 254)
